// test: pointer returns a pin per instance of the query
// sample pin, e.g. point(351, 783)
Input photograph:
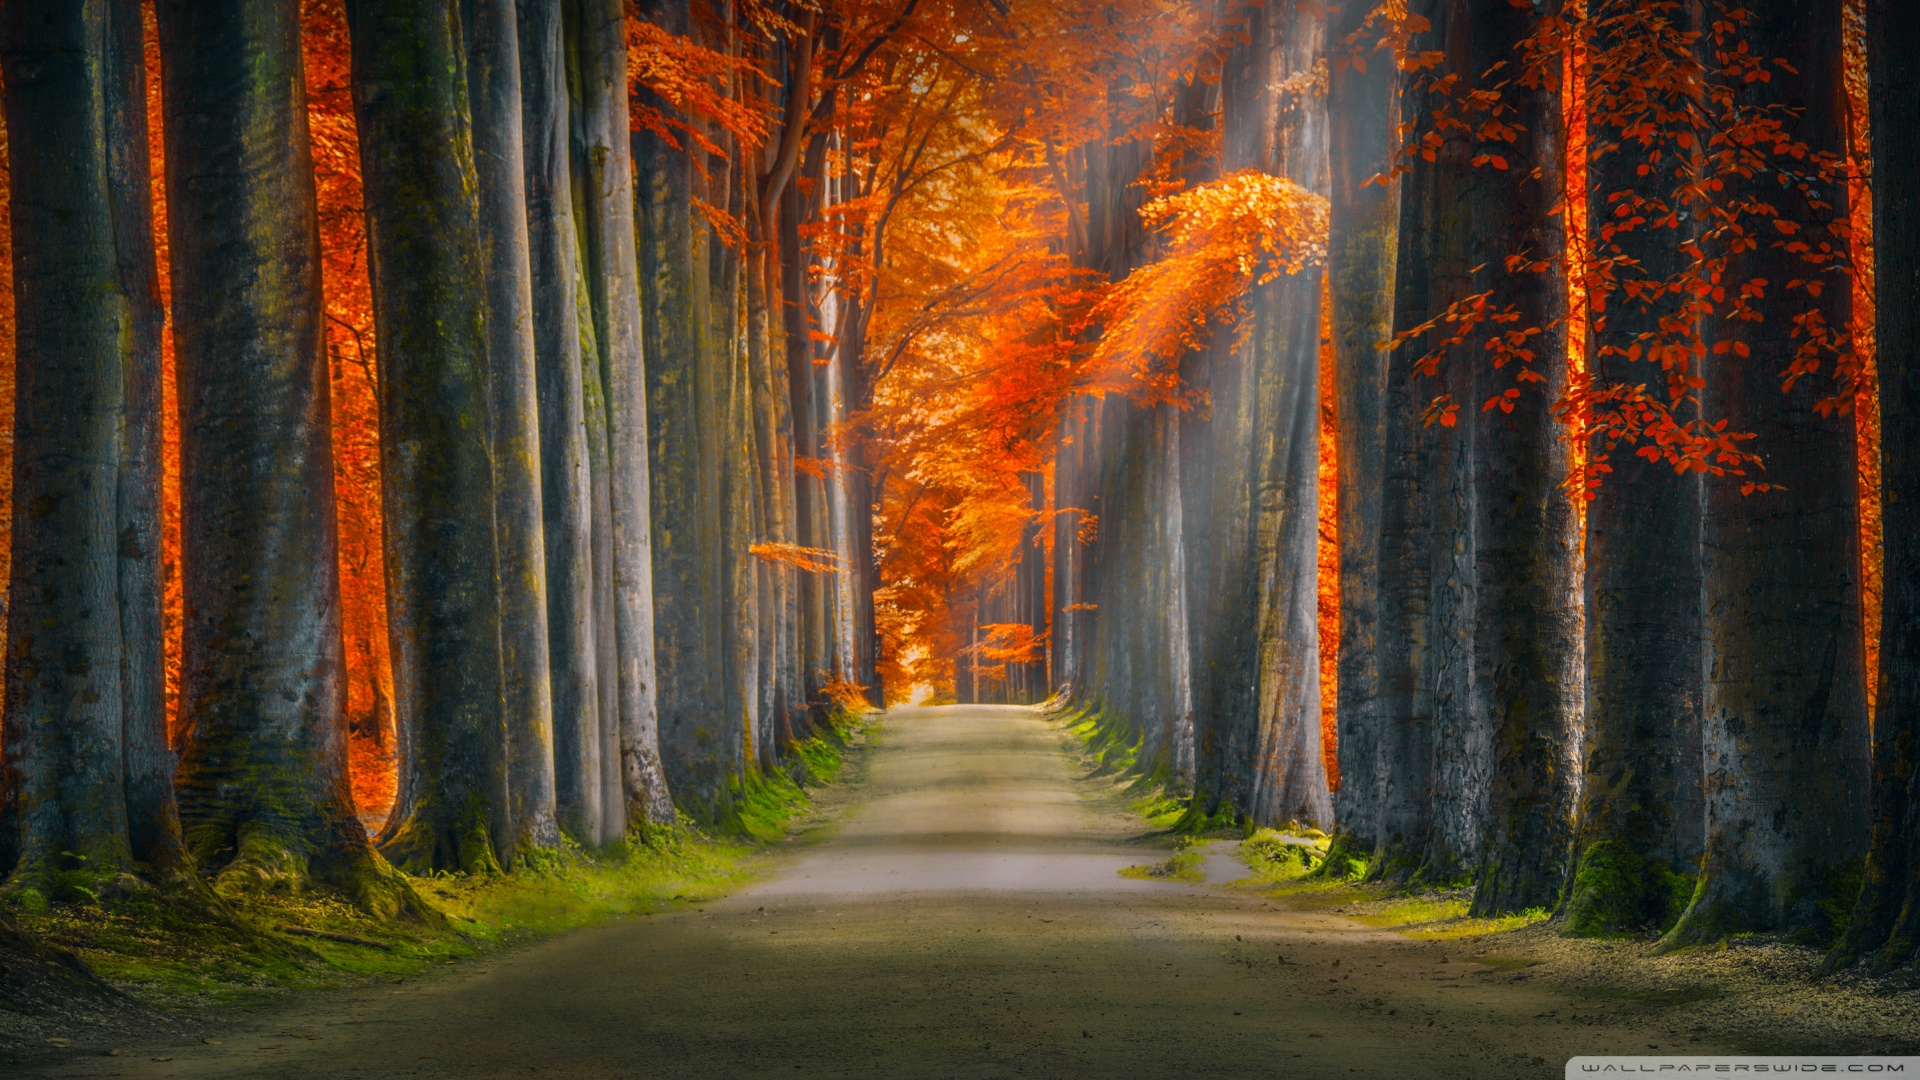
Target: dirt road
point(965, 920)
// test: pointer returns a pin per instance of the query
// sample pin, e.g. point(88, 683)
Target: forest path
point(965, 919)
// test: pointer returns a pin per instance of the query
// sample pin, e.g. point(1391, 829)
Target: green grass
point(1181, 866)
point(173, 953)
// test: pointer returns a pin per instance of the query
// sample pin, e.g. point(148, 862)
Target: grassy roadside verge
point(1282, 864)
point(169, 961)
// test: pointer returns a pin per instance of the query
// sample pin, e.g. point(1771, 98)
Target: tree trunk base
point(1618, 891)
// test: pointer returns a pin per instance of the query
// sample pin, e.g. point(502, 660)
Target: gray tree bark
point(430, 310)
point(263, 777)
point(1785, 709)
point(493, 91)
point(606, 215)
point(565, 494)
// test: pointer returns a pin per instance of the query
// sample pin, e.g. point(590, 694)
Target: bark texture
point(565, 492)
point(493, 91)
point(1885, 924)
point(1785, 705)
point(263, 776)
point(430, 308)
point(65, 809)
point(606, 216)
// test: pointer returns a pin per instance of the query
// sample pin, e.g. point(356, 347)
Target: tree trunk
point(565, 494)
point(1286, 133)
point(1786, 719)
point(1527, 633)
point(263, 778)
point(681, 422)
point(1428, 803)
point(641, 795)
point(493, 91)
point(1886, 921)
point(64, 784)
point(153, 822)
point(430, 311)
point(1640, 815)
point(1362, 110)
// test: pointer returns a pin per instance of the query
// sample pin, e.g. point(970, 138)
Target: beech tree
point(1641, 821)
point(604, 179)
point(491, 40)
point(262, 779)
point(88, 778)
point(1524, 532)
point(1883, 927)
point(1785, 721)
point(430, 312)
point(565, 491)
point(1362, 230)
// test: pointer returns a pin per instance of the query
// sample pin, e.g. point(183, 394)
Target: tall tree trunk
point(493, 91)
point(153, 822)
point(1271, 126)
point(1886, 921)
point(263, 778)
point(64, 783)
point(613, 284)
point(1430, 794)
point(1362, 112)
point(565, 494)
point(604, 770)
point(681, 422)
point(1786, 718)
point(1527, 634)
point(430, 311)
point(1640, 816)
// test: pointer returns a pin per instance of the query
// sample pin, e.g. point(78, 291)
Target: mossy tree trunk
point(1641, 820)
point(1362, 112)
point(1885, 925)
point(430, 311)
point(1785, 705)
point(639, 795)
point(65, 814)
point(1527, 629)
point(682, 424)
point(565, 495)
point(263, 777)
point(493, 91)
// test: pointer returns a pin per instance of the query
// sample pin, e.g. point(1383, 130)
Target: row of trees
point(1602, 646)
point(1605, 632)
point(596, 400)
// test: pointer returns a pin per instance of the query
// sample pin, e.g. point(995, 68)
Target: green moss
point(1617, 892)
point(1274, 856)
point(176, 951)
point(1344, 860)
point(760, 806)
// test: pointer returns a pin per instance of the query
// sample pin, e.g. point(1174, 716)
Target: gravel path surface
point(963, 918)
